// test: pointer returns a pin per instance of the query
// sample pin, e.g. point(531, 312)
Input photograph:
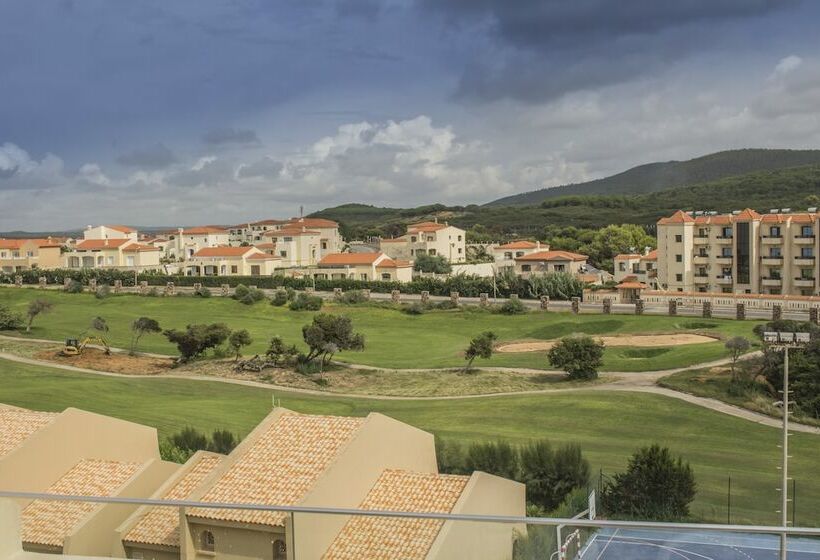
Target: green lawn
point(394, 339)
point(608, 426)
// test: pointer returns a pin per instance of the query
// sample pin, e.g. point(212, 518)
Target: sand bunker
point(637, 341)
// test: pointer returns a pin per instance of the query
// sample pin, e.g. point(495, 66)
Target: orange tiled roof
point(552, 256)
point(625, 256)
point(160, 525)
point(425, 227)
point(350, 259)
point(265, 245)
point(394, 263)
point(18, 243)
point(279, 467)
point(223, 251)
point(140, 248)
point(650, 256)
point(290, 231)
point(17, 424)
point(388, 538)
point(313, 223)
point(632, 285)
point(519, 245)
point(263, 257)
point(204, 230)
point(94, 244)
point(717, 220)
point(679, 217)
point(804, 218)
point(48, 522)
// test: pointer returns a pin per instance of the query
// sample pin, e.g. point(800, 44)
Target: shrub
point(328, 334)
point(414, 309)
point(498, 458)
point(512, 307)
point(203, 292)
point(153, 292)
point(10, 320)
point(237, 340)
point(278, 352)
point(248, 296)
point(550, 475)
point(580, 356)
point(190, 439)
point(432, 263)
point(196, 339)
point(280, 298)
point(480, 347)
point(306, 302)
point(655, 486)
point(103, 291)
point(74, 287)
point(354, 296)
point(222, 441)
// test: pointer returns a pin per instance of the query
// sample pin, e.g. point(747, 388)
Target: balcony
point(724, 238)
point(771, 281)
point(804, 282)
point(771, 239)
point(701, 239)
point(771, 260)
point(801, 260)
point(804, 240)
point(723, 259)
point(725, 280)
point(700, 259)
point(701, 278)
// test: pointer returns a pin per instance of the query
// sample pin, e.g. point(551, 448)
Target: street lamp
point(784, 341)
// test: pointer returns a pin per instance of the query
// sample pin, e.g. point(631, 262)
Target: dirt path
point(635, 341)
point(641, 383)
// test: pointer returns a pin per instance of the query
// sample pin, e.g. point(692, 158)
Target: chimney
point(537, 244)
point(435, 219)
point(106, 242)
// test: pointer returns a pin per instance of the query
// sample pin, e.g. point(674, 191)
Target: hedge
point(466, 286)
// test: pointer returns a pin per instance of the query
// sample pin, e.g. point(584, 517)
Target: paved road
point(628, 382)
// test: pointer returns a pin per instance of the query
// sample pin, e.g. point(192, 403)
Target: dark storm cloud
point(550, 47)
point(221, 136)
point(158, 156)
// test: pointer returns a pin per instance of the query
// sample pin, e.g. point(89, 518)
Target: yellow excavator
point(75, 346)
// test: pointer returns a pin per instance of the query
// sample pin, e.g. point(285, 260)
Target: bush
point(278, 352)
point(512, 307)
point(353, 297)
point(153, 292)
point(10, 320)
point(654, 487)
point(580, 356)
point(328, 334)
point(498, 458)
point(196, 339)
point(550, 475)
point(74, 287)
point(432, 264)
point(280, 298)
point(414, 309)
point(102, 291)
point(480, 347)
point(203, 292)
point(306, 302)
point(248, 296)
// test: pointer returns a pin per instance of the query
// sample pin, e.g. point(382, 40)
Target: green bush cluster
point(306, 302)
point(10, 320)
point(181, 445)
point(246, 295)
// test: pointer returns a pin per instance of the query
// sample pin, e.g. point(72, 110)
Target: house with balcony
point(231, 261)
point(744, 252)
point(17, 255)
point(363, 266)
point(110, 232)
point(546, 262)
point(639, 267)
point(428, 238)
point(184, 242)
point(252, 233)
point(121, 253)
point(296, 246)
point(504, 255)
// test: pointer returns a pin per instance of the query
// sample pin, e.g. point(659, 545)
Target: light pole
point(784, 341)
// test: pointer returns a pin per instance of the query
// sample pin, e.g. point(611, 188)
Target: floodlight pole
point(785, 468)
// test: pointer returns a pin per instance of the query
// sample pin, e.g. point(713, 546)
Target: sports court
point(620, 544)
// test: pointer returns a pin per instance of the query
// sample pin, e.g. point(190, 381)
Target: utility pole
point(784, 341)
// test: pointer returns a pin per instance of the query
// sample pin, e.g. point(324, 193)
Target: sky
point(161, 113)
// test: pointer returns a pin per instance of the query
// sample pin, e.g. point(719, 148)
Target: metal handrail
point(509, 519)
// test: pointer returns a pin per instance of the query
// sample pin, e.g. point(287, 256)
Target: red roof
point(425, 227)
point(313, 222)
point(18, 243)
point(94, 244)
point(265, 246)
point(391, 263)
point(350, 259)
point(140, 248)
point(624, 256)
point(519, 245)
point(650, 256)
point(204, 230)
point(719, 220)
point(679, 217)
point(552, 256)
point(632, 285)
point(223, 251)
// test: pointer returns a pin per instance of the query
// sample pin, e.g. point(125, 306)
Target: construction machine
point(75, 346)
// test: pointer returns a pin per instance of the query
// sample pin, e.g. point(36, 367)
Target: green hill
point(797, 188)
point(665, 175)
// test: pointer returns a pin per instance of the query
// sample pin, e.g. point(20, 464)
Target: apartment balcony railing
point(771, 281)
point(456, 535)
point(804, 282)
point(771, 239)
point(803, 260)
point(701, 239)
point(723, 279)
point(724, 238)
point(771, 260)
point(700, 259)
point(701, 278)
point(724, 259)
point(804, 239)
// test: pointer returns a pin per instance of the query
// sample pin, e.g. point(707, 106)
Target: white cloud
point(787, 65)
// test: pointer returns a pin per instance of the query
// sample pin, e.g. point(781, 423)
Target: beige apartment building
point(296, 246)
point(253, 233)
point(506, 253)
point(110, 232)
point(637, 267)
point(545, 262)
point(289, 459)
point(231, 261)
point(428, 238)
point(364, 266)
point(26, 254)
point(744, 252)
point(185, 242)
point(122, 253)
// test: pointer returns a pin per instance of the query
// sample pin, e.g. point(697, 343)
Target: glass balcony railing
point(189, 529)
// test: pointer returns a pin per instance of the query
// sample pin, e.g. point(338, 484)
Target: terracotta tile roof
point(160, 525)
point(552, 256)
point(804, 218)
point(425, 227)
point(717, 220)
point(290, 232)
point(650, 256)
point(48, 522)
point(17, 424)
point(334, 259)
point(223, 251)
point(625, 256)
point(279, 467)
point(394, 263)
point(204, 230)
point(313, 223)
point(267, 223)
point(679, 217)
point(519, 245)
point(94, 244)
point(19, 243)
point(377, 538)
point(140, 248)
point(265, 245)
point(747, 214)
point(632, 285)
point(121, 229)
point(775, 218)
point(262, 257)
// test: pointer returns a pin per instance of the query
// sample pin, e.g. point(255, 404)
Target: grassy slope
point(393, 339)
point(608, 426)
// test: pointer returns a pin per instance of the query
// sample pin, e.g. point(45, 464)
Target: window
point(774, 273)
point(385, 276)
point(726, 252)
point(727, 271)
point(526, 267)
point(807, 231)
point(775, 252)
point(234, 269)
point(283, 253)
point(702, 288)
point(280, 551)
point(508, 255)
point(430, 238)
point(432, 251)
point(622, 266)
point(363, 276)
point(726, 290)
point(678, 239)
point(774, 231)
point(678, 258)
point(460, 250)
point(679, 277)
point(558, 268)
point(775, 291)
point(702, 252)
point(287, 239)
point(29, 253)
point(807, 274)
point(459, 238)
point(702, 232)
point(206, 541)
point(727, 232)
point(324, 245)
point(413, 239)
point(702, 271)
point(806, 252)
